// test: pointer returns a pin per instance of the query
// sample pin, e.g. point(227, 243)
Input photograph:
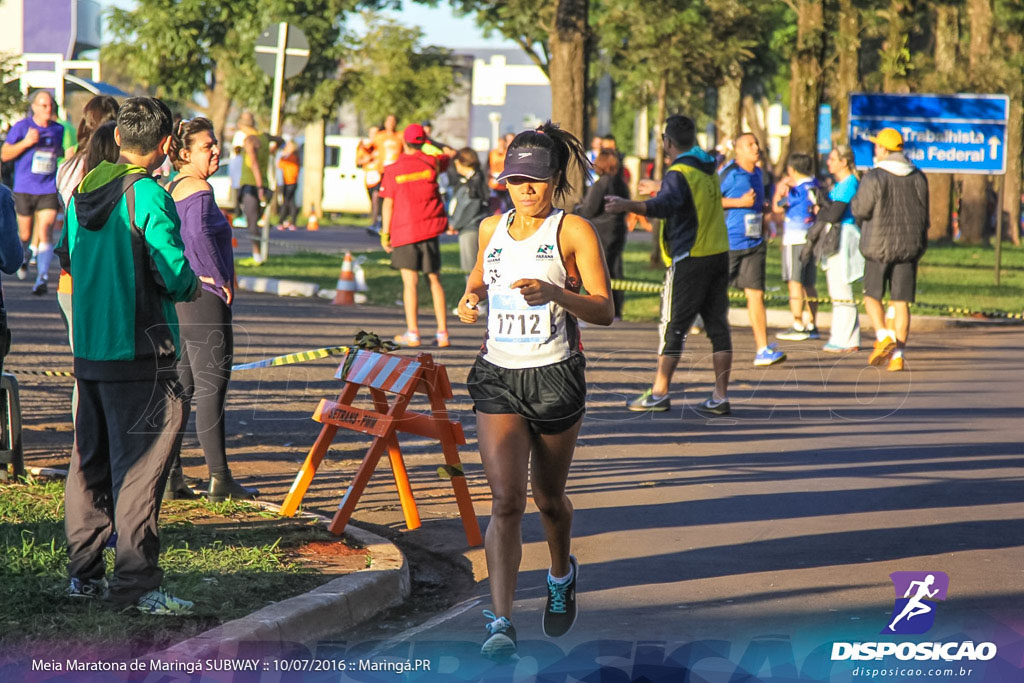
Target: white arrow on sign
point(993, 144)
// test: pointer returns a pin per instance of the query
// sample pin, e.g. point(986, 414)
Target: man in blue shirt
point(743, 200)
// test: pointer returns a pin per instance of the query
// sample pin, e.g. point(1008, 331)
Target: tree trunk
point(659, 142)
point(940, 185)
point(805, 83)
point(659, 166)
point(974, 198)
point(848, 70)
point(313, 170)
point(947, 37)
point(973, 208)
point(728, 119)
point(895, 49)
point(1014, 44)
point(218, 105)
point(568, 73)
point(940, 192)
point(1014, 150)
point(753, 119)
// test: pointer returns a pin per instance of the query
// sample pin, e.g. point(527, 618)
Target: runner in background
point(289, 165)
point(366, 159)
point(34, 144)
point(387, 147)
point(528, 384)
point(255, 189)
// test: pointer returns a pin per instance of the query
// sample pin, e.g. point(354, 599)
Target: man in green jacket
point(124, 252)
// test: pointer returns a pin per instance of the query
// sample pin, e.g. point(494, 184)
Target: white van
point(344, 183)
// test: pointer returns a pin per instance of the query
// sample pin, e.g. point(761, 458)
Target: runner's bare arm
point(579, 243)
point(476, 290)
point(12, 150)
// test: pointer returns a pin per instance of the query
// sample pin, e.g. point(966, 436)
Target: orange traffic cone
point(313, 224)
point(345, 293)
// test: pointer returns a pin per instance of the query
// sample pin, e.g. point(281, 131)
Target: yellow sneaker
point(895, 364)
point(882, 351)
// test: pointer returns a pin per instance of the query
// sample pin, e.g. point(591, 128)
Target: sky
point(438, 24)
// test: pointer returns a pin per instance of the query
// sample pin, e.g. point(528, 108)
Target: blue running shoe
point(769, 356)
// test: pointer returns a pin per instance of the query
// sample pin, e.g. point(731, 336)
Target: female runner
point(528, 383)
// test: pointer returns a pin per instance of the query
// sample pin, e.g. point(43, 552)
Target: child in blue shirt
point(797, 195)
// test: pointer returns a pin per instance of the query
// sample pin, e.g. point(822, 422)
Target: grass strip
point(230, 558)
point(949, 275)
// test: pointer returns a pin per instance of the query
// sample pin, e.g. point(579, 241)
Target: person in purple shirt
point(35, 144)
point(11, 257)
point(204, 324)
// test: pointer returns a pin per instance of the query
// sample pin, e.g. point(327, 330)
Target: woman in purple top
point(204, 324)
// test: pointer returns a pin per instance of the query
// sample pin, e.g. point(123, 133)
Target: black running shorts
point(551, 397)
point(746, 267)
point(423, 257)
point(28, 204)
point(901, 278)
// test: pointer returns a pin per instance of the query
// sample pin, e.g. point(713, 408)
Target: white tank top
point(520, 335)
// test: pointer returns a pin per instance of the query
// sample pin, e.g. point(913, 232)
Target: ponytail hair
point(565, 149)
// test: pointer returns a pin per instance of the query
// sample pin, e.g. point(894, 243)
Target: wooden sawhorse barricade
point(403, 377)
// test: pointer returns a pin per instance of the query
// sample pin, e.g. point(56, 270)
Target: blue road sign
point(941, 133)
point(825, 129)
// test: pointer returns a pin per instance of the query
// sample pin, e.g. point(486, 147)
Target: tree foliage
point(179, 49)
point(12, 102)
point(392, 73)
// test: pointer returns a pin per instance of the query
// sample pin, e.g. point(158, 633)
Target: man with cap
point(413, 215)
point(891, 206)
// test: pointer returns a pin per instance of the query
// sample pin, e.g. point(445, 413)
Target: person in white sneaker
point(743, 200)
point(797, 195)
point(891, 206)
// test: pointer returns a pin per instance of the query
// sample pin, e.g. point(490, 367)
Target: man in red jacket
point(413, 216)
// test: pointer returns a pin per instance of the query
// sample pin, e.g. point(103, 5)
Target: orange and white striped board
point(383, 374)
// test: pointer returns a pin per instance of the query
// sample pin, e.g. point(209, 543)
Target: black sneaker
point(501, 638)
point(40, 288)
point(560, 612)
point(713, 407)
point(87, 590)
point(646, 403)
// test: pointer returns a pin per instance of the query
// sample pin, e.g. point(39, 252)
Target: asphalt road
point(740, 546)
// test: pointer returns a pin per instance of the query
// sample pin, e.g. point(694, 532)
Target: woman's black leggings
point(289, 209)
point(204, 370)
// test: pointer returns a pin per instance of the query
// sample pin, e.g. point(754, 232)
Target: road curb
point(777, 317)
point(270, 285)
point(339, 604)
